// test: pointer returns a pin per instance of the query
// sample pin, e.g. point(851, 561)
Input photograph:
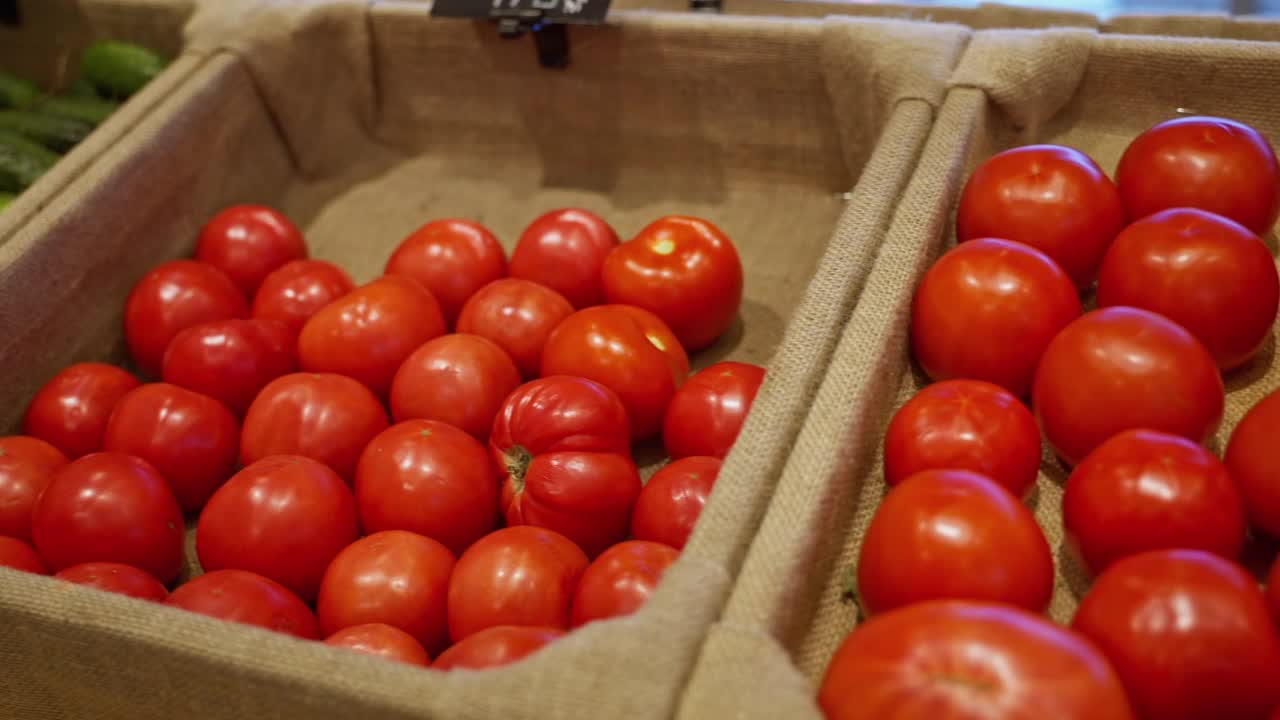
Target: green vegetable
point(55, 133)
point(119, 69)
point(83, 109)
point(6, 198)
point(16, 92)
point(82, 89)
point(22, 162)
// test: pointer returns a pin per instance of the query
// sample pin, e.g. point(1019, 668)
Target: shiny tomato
point(621, 580)
point(394, 577)
point(670, 503)
point(322, 416)
point(284, 517)
point(110, 507)
point(626, 349)
point(1273, 591)
point(458, 379)
point(959, 659)
point(190, 438)
point(19, 555)
point(381, 640)
point(496, 646)
point(453, 259)
point(953, 535)
point(429, 478)
point(1215, 164)
point(518, 315)
point(70, 411)
point(297, 290)
point(244, 597)
point(1053, 198)
point(565, 251)
point(1255, 465)
point(964, 425)
point(1202, 271)
point(682, 269)
point(1188, 633)
point(707, 412)
point(1122, 368)
point(116, 578)
point(230, 360)
point(27, 465)
point(247, 242)
point(514, 576)
point(171, 298)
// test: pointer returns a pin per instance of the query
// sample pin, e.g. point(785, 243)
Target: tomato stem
point(517, 459)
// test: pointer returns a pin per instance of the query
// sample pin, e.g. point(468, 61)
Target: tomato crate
point(362, 121)
point(795, 598)
point(979, 16)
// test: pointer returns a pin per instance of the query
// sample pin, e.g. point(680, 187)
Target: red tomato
point(381, 640)
point(518, 315)
point(243, 597)
point(496, 646)
point(958, 659)
point(110, 507)
point(116, 578)
point(451, 258)
point(953, 534)
point(368, 332)
point(171, 298)
point(190, 438)
point(1188, 633)
point(1122, 368)
point(457, 379)
point(247, 242)
point(1254, 464)
point(284, 517)
point(1143, 490)
point(429, 478)
point(986, 310)
point(297, 290)
point(514, 576)
point(27, 465)
point(682, 269)
point(1215, 164)
point(1202, 271)
point(70, 411)
point(565, 251)
point(19, 555)
point(707, 412)
point(964, 425)
point(626, 349)
point(1273, 591)
point(670, 503)
point(322, 416)
point(394, 577)
point(1055, 199)
point(230, 360)
point(621, 580)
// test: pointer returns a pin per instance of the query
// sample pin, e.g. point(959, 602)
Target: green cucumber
point(56, 133)
point(86, 110)
point(6, 199)
point(16, 92)
point(119, 69)
point(22, 162)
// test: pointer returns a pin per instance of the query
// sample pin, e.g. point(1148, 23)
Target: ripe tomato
point(964, 425)
point(496, 646)
point(244, 597)
point(626, 349)
point(19, 555)
point(298, 289)
point(1122, 368)
point(322, 416)
point(621, 580)
point(514, 576)
point(1202, 271)
point(1188, 634)
point(707, 412)
point(1273, 591)
point(458, 379)
point(381, 640)
point(116, 578)
point(1255, 465)
point(27, 465)
point(518, 315)
point(394, 577)
point(429, 478)
point(451, 258)
point(230, 360)
point(565, 251)
point(70, 411)
point(959, 659)
point(1215, 164)
point(190, 438)
point(284, 517)
point(1055, 199)
point(171, 298)
point(682, 269)
point(247, 242)
point(109, 507)
point(670, 503)
point(953, 534)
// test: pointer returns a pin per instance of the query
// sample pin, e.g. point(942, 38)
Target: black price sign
point(565, 11)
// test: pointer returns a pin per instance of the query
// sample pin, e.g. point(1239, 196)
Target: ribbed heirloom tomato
point(247, 242)
point(519, 316)
point(171, 298)
point(458, 379)
point(453, 259)
point(244, 597)
point(381, 640)
point(496, 646)
point(620, 580)
point(707, 412)
point(297, 290)
point(27, 465)
point(671, 502)
point(1255, 465)
point(565, 250)
point(230, 360)
point(71, 411)
point(116, 578)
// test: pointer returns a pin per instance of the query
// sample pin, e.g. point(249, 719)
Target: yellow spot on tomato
point(664, 246)
point(657, 342)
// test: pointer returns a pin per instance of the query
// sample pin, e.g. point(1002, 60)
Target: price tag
point(565, 11)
